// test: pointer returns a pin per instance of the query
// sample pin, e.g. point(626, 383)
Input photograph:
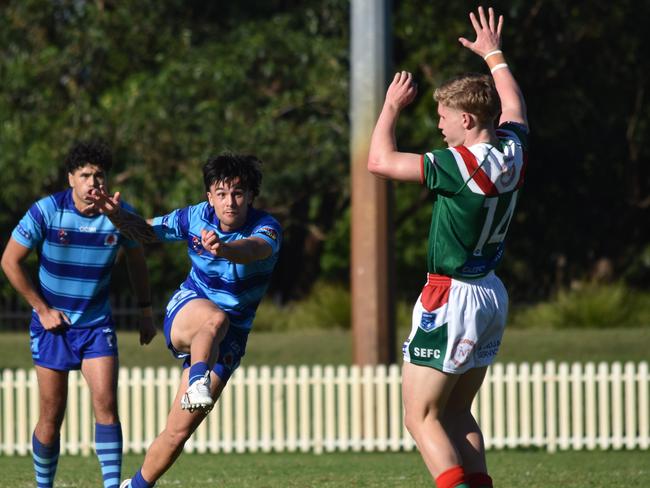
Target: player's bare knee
point(413, 422)
point(52, 413)
point(217, 323)
point(415, 419)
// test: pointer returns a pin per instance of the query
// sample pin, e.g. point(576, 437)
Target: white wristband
point(496, 51)
point(498, 67)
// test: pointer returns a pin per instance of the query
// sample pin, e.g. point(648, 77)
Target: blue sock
point(108, 444)
point(46, 459)
point(139, 482)
point(197, 371)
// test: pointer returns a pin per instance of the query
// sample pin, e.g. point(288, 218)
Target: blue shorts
point(65, 349)
point(231, 349)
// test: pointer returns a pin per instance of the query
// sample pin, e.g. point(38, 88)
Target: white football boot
point(126, 483)
point(198, 395)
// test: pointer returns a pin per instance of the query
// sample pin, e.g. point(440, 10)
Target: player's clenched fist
point(210, 242)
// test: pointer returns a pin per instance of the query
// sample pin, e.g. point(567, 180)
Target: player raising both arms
point(459, 318)
point(233, 248)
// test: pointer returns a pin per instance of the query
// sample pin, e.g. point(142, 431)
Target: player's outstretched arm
point(131, 225)
point(383, 158)
point(488, 46)
point(242, 251)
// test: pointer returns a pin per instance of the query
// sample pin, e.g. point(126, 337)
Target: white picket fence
point(323, 409)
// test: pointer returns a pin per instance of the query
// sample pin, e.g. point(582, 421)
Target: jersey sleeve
point(514, 130)
point(174, 226)
point(30, 231)
point(270, 231)
point(126, 242)
point(440, 172)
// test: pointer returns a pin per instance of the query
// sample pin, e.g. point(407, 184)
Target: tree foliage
point(168, 83)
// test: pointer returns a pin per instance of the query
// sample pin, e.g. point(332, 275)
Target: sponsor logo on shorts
point(426, 353)
point(109, 336)
point(428, 321)
point(489, 350)
point(23, 232)
point(177, 298)
point(462, 350)
point(269, 232)
point(228, 360)
point(34, 347)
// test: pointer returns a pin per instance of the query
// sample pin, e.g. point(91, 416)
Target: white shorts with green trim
point(457, 324)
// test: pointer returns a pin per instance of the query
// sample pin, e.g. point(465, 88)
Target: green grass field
point(319, 346)
point(531, 469)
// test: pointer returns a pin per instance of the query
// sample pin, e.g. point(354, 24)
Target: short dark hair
point(95, 152)
point(227, 166)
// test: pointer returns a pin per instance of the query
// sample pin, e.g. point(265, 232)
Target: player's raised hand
point(210, 242)
point(402, 90)
point(103, 202)
point(488, 32)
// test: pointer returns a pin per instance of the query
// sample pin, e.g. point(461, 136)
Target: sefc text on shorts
point(457, 324)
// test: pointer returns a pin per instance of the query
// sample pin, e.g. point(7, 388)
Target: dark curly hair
point(227, 166)
point(89, 152)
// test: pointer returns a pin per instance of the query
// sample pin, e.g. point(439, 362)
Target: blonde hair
point(473, 93)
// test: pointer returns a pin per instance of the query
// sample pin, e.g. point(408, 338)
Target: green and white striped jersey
point(476, 190)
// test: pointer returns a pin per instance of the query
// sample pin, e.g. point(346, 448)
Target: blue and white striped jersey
point(236, 288)
point(76, 257)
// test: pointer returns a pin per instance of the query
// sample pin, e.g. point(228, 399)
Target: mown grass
point(592, 323)
point(322, 346)
point(532, 469)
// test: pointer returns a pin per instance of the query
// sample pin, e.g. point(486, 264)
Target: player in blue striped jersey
point(233, 248)
point(72, 326)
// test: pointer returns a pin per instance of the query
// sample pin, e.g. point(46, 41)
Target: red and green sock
point(452, 478)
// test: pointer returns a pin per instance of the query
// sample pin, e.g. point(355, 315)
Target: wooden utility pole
point(373, 298)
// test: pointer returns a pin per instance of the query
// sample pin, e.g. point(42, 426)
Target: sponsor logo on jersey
point(480, 265)
point(165, 221)
point(196, 245)
point(63, 237)
point(269, 232)
point(428, 321)
point(111, 240)
point(461, 351)
point(507, 176)
point(23, 232)
point(87, 228)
